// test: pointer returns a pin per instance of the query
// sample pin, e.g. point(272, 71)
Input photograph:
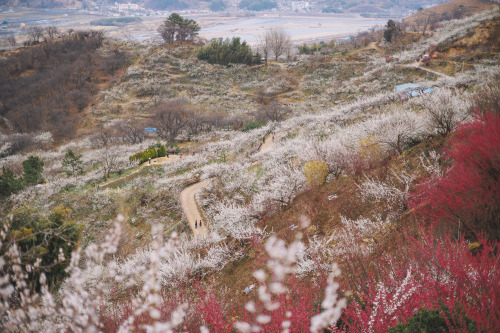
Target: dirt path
point(417, 65)
point(268, 142)
point(154, 161)
point(190, 208)
point(371, 46)
point(188, 197)
point(161, 160)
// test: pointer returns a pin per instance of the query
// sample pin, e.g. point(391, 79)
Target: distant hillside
point(455, 9)
point(62, 4)
point(377, 7)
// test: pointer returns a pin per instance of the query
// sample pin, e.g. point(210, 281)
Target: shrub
point(228, 51)
point(33, 168)
point(156, 150)
point(422, 321)
point(116, 21)
point(172, 148)
point(316, 172)
point(252, 125)
point(9, 183)
point(304, 49)
point(431, 321)
point(143, 156)
point(162, 151)
point(45, 243)
point(467, 197)
point(445, 276)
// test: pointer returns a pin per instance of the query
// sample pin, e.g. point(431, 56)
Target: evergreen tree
point(73, 163)
point(33, 168)
point(177, 28)
point(228, 51)
point(9, 183)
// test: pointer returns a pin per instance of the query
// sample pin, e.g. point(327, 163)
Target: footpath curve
point(188, 203)
point(188, 197)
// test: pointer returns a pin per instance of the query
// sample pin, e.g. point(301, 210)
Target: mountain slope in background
point(455, 9)
point(388, 7)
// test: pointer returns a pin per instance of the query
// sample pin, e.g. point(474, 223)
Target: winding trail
point(154, 161)
point(190, 208)
point(417, 65)
point(188, 197)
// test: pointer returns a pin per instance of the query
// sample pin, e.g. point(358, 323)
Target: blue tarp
point(406, 85)
point(407, 89)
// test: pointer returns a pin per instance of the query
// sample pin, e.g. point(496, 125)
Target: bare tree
point(12, 40)
point(279, 41)
point(264, 46)
point(103, 137)
point(131, 131)
point(52, 31)
point(80, 98)
point(273, 111)
point(35, 33)
point(170, 118)
point(109, 157)
point(424, 22)
point(199, 123)
point(445, 110)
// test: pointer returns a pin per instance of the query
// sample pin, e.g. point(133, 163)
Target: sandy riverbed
point(301, 28)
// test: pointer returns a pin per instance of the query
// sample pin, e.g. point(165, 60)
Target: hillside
point(350, 189)
point(455, 9)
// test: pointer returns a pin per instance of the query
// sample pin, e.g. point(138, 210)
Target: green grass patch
point(252, 125)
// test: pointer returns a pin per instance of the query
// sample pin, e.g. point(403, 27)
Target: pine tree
point(33, 168)
point(9, 183)
point(73, 163)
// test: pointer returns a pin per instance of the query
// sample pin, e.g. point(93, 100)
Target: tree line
point(228, 51)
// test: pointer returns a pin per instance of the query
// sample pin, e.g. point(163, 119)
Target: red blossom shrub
point(211, 310)
point(433, 273)
point(297, 306)
point(114, 315)
point(468, 195)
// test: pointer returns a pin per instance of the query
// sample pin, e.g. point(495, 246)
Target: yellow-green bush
point(315, 172)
